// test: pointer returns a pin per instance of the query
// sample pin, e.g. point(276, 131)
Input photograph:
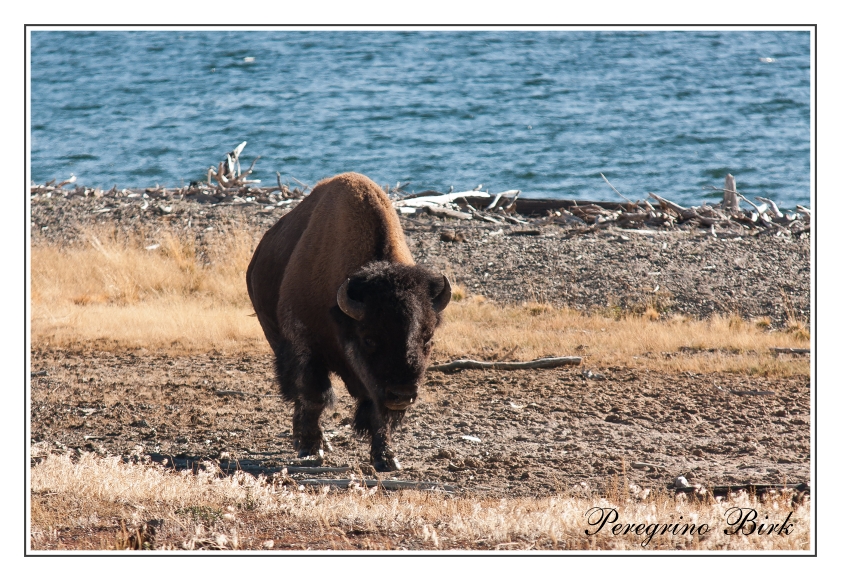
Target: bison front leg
point(373, 422)
point(306, 383)
point(308, 438)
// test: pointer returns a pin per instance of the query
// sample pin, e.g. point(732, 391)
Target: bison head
point(387, 314)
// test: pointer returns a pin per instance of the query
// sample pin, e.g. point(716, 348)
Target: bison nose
point(400, 397)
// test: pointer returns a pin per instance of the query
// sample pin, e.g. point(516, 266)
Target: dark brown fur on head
point(393, 339)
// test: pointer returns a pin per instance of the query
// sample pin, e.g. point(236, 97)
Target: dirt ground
point(539, 431)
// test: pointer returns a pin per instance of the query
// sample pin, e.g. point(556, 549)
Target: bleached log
point(70, 180)
point(759, 209)
point(546, 362)
point(438, 200)
point(774, 209)
point(804, 210)
point(487, 218)
point(684, 213)
point(510, 205)
point(447, 213)
point(731, 202)
point(501, 195)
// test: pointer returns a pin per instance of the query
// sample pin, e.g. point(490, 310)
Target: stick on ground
point(506, 365)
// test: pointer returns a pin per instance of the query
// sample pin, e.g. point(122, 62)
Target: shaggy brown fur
point(346, 230)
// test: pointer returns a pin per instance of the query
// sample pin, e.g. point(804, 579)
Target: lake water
point(541, 111)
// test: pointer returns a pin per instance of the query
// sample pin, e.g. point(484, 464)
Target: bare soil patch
point(540, 431)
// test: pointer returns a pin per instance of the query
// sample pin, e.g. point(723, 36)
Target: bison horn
point(353, 309)
point(440, 302)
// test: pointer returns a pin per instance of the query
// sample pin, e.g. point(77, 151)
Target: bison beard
point(336, 291)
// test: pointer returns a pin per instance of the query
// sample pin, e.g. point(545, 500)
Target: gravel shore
point(674, 271)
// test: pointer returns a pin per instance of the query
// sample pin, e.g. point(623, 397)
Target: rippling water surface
point(543, 112)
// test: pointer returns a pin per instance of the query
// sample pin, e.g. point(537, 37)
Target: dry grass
point(102, 503)
point(163, 293)
point(480, 329)
point(187, 295)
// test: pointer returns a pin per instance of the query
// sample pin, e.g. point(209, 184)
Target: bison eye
point(369, 343)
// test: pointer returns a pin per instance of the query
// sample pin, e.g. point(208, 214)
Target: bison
point(335, 289)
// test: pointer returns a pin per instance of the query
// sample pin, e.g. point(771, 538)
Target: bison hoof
point(311, 453)
point(386, 464)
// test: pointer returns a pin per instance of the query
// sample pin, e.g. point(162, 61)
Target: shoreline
point(676, 269)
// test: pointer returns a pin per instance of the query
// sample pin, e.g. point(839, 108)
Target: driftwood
point(731, 201)
point(317, 469)
point(640, 465)
point(442, 212)
point(758, 489)
point(797, 350)
point(546, 362)
point(615, 190)
point(227, 184)
point(222, 392)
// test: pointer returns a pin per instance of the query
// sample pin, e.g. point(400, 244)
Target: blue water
point(543, 112)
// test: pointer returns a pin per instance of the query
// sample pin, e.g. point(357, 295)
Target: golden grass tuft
point(76, 503)
point(536, 309)
point(179, 292)
point(458, 293)
point(762, 323)
point(651, 314)
point(797, 330)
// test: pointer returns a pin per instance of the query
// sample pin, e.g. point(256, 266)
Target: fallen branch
point(227, 392)
point(790, 350)
point(546, 362)
point(646, 465)
point(370, 483)
point(447, 213)
point(617, 191)
point(511, 206)
point(682, 212)
point(317, 469)
point(425, 201)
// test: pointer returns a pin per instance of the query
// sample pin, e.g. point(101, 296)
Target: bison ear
point(442, 298)
point(352, 308)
